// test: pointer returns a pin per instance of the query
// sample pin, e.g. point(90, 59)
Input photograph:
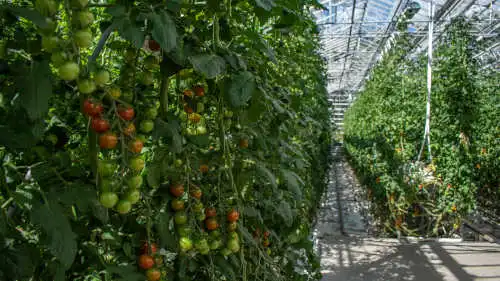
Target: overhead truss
point(356, 33)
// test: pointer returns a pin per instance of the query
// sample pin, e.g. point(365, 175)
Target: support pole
point(427, 130)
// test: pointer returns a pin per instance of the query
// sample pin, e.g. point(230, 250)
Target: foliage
point(384, 128)
point(187, 106)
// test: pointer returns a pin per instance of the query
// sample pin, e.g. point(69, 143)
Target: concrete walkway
point(343, 240)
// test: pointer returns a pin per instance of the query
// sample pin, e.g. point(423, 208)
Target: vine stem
point(165, 80)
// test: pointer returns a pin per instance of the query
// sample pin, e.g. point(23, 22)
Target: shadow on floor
point(356, 259)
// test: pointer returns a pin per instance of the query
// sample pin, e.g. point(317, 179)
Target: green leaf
point(262, 170)
point(61, 239)
point(294, 183)
point(209, 65)
point(265, 4)
point(252, 212)
point(36, 89)
point(164, 30)
point(247, 236)
point(241, 88)
point(126, 273)
point(30, 14)
point(225, 267)
point(171, 130)
point(130, 31)
point(154, 174)
point(167, 238)
point(285, 212)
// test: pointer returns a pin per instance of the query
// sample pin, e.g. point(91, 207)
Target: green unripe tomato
point(69, 71)
point(180, 218)
point(79, 4)
point(151, 113)
point(134, 182)
point(108, 185)
point(191, 131)
point(52, 139)
point(83, 38)
point(123, 207)
point(183, 230)
point(201, 130)
point(86, 86)
point(49, 26)
point(215, 244)
point(108, 199)
point(186, 244)
point(136, 165)
point(147, 78)
point(226, 252)
point(46, 7)
point(106, 168)
point(233, 245)
point(58, 58)
point(151, 62)
point(178, 163)
point(142, 138)
point(85, 18)
point(50, 43)
point(201, 216)
point(183, 116)
point(200, 107)
point(215, 233)
point(101, 78)
point(198, 207)
point(228, 114)
point(128, 96)
point(146, 126)
point(133, 196)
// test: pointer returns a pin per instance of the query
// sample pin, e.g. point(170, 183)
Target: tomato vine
point(183, 140)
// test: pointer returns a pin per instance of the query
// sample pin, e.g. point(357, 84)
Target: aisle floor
point(343, 238)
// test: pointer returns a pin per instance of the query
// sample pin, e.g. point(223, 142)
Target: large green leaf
point(263, 171)
point(241, 88)
point(130, 31)
point(164, 30)
point(60, 238)
point(209, 65)
point(125, 273)
point(294, 183)
point(265, 4)
point(36, 89)
point(30, 14)
point(285, 212)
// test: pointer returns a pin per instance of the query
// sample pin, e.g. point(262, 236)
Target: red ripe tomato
point(135, 146)
point(233, 216)
point(204, 168)
point(188, 93)
point(188, 109)
point(147, 249)
point(196, 193)
point(153, 274)
point(243, 143)
point(146, 262)
point(92, 109)
point(108, 141)
point(199, 91)
point(154, 46)
point(211, 224)
point(266, 243)
point(210, 212)
point(266, 234)
point(177, 205)
point(129, 130)
point(126, 113)
point(100, 125)
point(177, 190)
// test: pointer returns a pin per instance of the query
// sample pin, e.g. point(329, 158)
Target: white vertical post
point(427, 134)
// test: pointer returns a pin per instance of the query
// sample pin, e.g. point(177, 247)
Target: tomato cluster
point(194, 107)
point(151, 262)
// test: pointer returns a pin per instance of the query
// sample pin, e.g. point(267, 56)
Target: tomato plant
point(426, 198)
point(122, 120)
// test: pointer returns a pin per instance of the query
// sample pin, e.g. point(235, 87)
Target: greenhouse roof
point(355, 33)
